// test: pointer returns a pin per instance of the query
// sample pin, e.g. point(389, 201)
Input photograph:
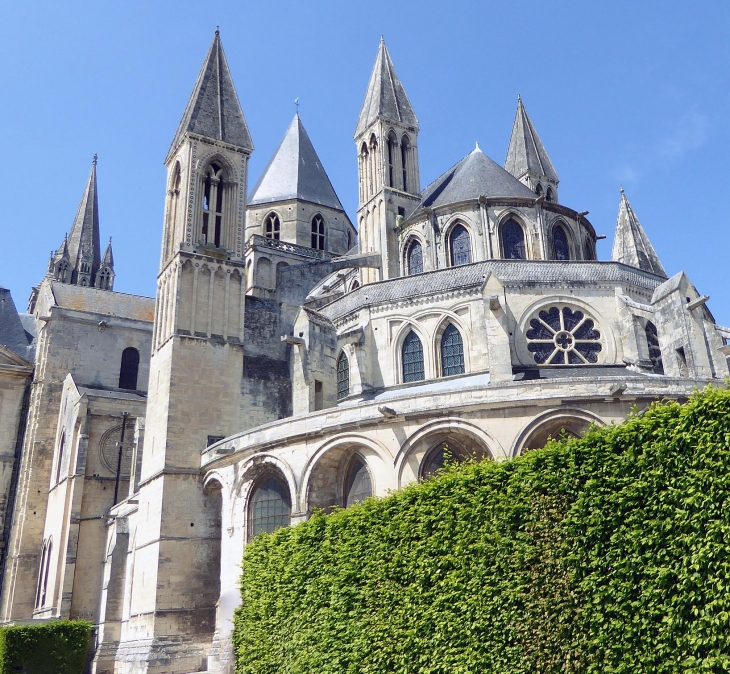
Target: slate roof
point(104, 302)
point(108, 259)
point(474, 176)
point(385, 98)
point(471, 277)
point(631, 245)
point(12, 333)
point(295, 172)
point(85, 230)
point(214, 110)
point(526, 151)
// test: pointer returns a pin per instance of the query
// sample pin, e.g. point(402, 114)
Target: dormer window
point(318, 232)
point(272, 226)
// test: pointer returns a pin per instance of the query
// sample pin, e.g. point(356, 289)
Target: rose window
point(563, 337)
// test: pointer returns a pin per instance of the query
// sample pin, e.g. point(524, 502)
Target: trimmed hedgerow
point(605, 554)
point(57, 647)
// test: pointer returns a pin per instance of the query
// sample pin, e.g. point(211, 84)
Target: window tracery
point(563, 336)
point(343, 376)
point(513, 241)
point(452, 352)
point(213, 187)
point(318, 232)
point(272, 226)
point(269, 507)
point(460, 246)
point(413, 366)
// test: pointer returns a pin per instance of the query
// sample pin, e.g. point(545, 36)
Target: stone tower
point(387, 143)
point(527, 160)
point(196, 394)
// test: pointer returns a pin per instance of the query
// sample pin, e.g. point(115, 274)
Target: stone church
point(296, 359)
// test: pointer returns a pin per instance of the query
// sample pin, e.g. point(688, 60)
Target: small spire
point(95, 159)
point(382, 39)
point(526, 153)
point(296, 102)
point(621, 187)
point(217, 31)
point(631, 245)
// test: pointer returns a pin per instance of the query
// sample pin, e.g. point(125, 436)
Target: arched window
point(513, 241)
point(561, 249)
point(549, 196)
point(655, 352)
point(563, 336)
point(61, 449)
point(538, 189)
point(62, 272)
point(414, 258)
point(317, 232)
point(404, 144)
point(272, 226)
point(392, 146)
point(452, 352)
point(343, 376)
point(269, 507)
point(105, 279)
point(439, 456)
point(413, 369)
point(358, 485)
point(129, 369)
point(213, 187)
point(460, 246)
point(42, 589)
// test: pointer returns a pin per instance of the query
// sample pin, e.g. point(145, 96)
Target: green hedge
point(605, 554)
point(57, 647)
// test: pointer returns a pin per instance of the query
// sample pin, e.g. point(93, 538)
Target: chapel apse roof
point(106, 302)
point(471, 277)
point(295, 172)
point(474, 176)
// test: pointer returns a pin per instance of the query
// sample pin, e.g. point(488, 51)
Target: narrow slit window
point(343, 376)
point(404, 161)
point(318, 233)
point(129, 369)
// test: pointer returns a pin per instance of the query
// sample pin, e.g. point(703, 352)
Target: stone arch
point(397, 346)
point(573, 420)
point(450, 319)
point(503, 228)
point(323, 479)
point(464, 435)
point(558, 226)
point(271, 225)
point(218, 158)
point(454, 239)
point(406, 254)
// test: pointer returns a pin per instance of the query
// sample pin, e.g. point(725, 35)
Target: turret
point(631, 245)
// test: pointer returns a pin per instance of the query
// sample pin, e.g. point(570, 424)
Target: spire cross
point(95, 159)
point(296, 102)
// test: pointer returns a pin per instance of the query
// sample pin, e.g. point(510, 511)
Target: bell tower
point(387, 144)
point(196, 391)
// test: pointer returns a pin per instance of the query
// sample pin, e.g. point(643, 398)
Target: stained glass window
point(655, 352)
point(343, 376)
point(415, 258)
point(358, 485)
point(413, 369)
point(513, 241)
point(561, 250)
point(452, 352)
point(317, 232)
point(460, 245)
point(563, 337)
point(270, 507)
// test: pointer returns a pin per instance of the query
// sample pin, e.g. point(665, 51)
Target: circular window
point(563, 336)
point(110, 449)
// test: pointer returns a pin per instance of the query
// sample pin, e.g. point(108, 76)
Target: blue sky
point(632, 93)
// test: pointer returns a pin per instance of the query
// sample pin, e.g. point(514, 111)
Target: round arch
point(573, 420)
point(253, 470)
point(416, 448)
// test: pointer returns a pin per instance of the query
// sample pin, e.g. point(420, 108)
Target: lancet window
point(655, 352)
point(460, 246)
point(404, 146)
point(269, 507)
point(392, 149)
point(412, 352)
point(318, 235)
point(414, 258)
point(452, 352)
point(213, 188)
point(343, 376)
point(272, 226)
point(513, 241)
point(358, 484)
point(561, 249)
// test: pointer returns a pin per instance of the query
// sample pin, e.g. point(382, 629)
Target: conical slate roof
point(386, 96)
point(526, 151)
point(12, 334)
point(474, 176)
point(213, 110)
point(108, 259)
point(295, 172)
point(631, 245)
point(84, 234)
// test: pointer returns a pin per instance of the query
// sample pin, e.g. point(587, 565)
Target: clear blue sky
point(632, 93)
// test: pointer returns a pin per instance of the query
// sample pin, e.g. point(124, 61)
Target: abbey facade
point(292, 360)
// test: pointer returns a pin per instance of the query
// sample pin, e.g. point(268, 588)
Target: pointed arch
point(215, 180)
point(358, 481)
point(343, 376)
point(655, 351)
point(392, 150)
point(413, 257)
point(452, 351)
point(538, 189)
point(561, 242)
point(318, 232)
point(459, 245)
point(405, 152)
point(272, 226)
point(549, 195)
point(512, 238)
point(412, 358)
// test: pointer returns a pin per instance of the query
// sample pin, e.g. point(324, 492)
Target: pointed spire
point(295, 172)
point(631, 245)
point(62, 249)
point(526, 152)
point(214, 110)
point(83, 241)
point(386, 96)
point(108, 259)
